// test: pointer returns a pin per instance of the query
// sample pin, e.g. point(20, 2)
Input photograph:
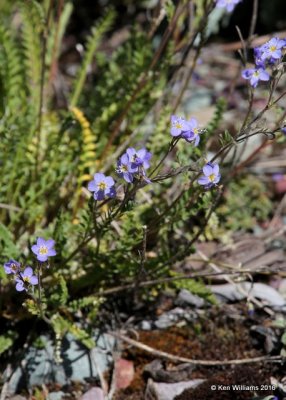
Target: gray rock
point(145, 325)
point(185, 297)
point(172, 317)
point(240, 291)
point(168, 391)
point(39, 367)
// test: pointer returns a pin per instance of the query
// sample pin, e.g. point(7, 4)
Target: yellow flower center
point(273, 48)
point(196, 131)
point(26, 279)
point(102, 186)
point(178, 125)
point(43, 250)
point(212, 177)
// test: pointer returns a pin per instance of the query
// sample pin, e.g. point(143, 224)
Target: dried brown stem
point(177, 359)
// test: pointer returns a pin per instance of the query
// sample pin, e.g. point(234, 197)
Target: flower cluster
point(133, 164)
point(188, 130)
point(227, 4)
point(23, 278)
point(267, 55)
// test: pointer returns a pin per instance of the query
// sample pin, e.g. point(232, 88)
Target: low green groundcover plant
point(104, 183)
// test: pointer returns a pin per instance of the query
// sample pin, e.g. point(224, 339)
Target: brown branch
point(253, 22)
point(178, 359)
point(159, 281)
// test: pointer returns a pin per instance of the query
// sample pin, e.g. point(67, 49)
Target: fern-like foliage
point(12, 76)
point(32, 16)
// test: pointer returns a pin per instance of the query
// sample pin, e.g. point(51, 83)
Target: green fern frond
point(57, 31)
point(12, 75)
point(32, 28)
point(87, 301)
point(61, 326)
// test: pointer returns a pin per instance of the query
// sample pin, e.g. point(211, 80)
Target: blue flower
point(227, 4)
point(139, 158)
point(102, 186)
point(255, 75)
point(133, 164)
point(258, 51)
point(211, 175)
point(125, 169)
point(272, 50)
point(25, 278)
point(12, 267)
point(188, 130)
point(193, 135)
point(179, 125)
point(44, 249)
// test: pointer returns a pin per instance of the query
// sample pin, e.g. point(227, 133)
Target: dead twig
point(178, 359)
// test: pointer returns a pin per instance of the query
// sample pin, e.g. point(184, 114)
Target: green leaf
point(283, 338)
point(6, 341)
point(283, 353)
point(7, 242)
point(62, 326)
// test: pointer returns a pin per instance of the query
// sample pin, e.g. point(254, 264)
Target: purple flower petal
point(12, 267)
point(203, 180)
point(197, 140)
point(215, 169)
point(98, 177)
point(99, 195)
point(264, 76)
point(92, 186)
point(41, 241)
point(175, 131)
point(20, 287)
point(111, 192)
point(34, 280)
point(35, 249)
point(109, 181)
point(188, 136)
point(208, 170)
point(193, 123)
point(28, 272)
point(142, 153)
point(130, 152)
point(217, 179)
point(42, 257)
point(52, 252)
point(50, 243)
